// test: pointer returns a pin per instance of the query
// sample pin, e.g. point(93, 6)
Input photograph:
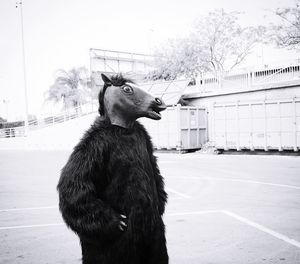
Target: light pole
point(20, 6)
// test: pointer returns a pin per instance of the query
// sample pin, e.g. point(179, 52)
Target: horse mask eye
point(127, 89)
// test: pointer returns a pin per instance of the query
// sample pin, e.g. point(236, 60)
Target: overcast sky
point(59, 33)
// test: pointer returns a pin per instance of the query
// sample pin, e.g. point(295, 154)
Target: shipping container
point(181, 128)
point(261, 125)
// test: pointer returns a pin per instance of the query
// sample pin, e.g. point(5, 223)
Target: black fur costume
point(113, 171)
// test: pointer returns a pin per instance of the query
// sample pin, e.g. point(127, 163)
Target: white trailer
point(266, 125)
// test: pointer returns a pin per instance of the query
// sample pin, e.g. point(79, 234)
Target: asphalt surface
point(222, 209)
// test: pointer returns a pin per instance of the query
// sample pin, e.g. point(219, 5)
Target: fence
point(12, 132)
point(50, 120)
point(266, 125)
point(246, 79)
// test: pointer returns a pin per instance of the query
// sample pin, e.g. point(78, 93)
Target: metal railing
point(50, 120)
point(246, 79)
point(12, 132)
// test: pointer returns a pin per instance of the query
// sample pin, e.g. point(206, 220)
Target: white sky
point(59, 33)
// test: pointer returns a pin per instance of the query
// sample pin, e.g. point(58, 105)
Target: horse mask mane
point(121, 101)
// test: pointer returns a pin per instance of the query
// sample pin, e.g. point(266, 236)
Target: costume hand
point(122, 224)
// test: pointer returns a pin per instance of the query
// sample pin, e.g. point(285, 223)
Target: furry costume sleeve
point(82, 210)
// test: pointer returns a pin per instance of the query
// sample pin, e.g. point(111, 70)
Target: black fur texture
point(113, 171)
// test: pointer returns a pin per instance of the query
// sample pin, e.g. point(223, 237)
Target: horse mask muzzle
point(156, 106)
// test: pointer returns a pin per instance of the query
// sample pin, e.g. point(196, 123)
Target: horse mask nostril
point(158, 101)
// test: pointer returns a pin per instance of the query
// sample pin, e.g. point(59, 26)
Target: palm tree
point(73, 87)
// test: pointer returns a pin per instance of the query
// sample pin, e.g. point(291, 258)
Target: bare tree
point(224, 41)
point(286, 34)
point(73, 87)
point(178, 57)
point(217, 43)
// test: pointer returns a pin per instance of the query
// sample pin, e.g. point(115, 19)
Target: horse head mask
point(122, 102)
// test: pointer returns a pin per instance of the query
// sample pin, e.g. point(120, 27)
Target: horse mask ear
point(107, 82)
point(105, 79)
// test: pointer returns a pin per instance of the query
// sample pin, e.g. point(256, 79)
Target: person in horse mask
point(111, 192)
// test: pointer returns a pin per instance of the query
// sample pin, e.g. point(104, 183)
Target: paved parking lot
point(222, 209)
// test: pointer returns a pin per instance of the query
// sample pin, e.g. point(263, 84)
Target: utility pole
point(26, 128)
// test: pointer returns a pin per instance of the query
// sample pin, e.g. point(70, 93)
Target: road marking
point(228, 213)
point(59, 224)
point(195, 213)
point(245, 221)
point(178, 193)
point(268, 183)
point(29, 208)
point(264, 229)
point(238, 180)
point(29, 226)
